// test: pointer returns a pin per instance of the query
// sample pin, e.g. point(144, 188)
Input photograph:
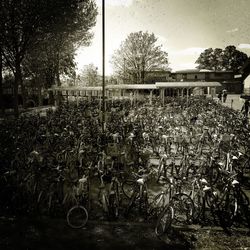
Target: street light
point(103, 65)
point(141, 68)
point(124, 70)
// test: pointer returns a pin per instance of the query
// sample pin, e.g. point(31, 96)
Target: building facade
point(225, 78)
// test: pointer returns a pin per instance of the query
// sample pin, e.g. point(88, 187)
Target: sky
point(184, 28)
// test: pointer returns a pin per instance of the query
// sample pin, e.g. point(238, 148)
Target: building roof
point(141, 86)
point(197, 71)
point(132, 86)
point(183, 71)
point(77, 88)
point(186, 84)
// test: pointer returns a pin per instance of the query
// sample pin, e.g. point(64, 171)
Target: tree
point(138, 54)
point(25, 23)
point(89, 75)
point(48, 61)
point(217, 59)
point(233, 59)
point(1, 83)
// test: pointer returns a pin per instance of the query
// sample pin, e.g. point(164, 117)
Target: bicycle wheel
point(128, 188)
point(113, 205)
point(131, 203)
point(160, 171)
point(243, 210)
point(159, 201)
point(228, 209)
point(164, 221)
point(183, 208)
point(157, 205)
point(191, 171)
point(198, 205)
point(77, 217)
point(246, 167)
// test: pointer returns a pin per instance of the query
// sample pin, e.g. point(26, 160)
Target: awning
point(186, 84)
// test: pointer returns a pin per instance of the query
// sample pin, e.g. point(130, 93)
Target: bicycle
point(77, 216)
point(138, 190)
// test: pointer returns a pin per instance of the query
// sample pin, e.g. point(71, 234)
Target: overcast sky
point(184, 28)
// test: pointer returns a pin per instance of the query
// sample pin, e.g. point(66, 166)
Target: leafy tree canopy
point(218, 59)
point(28, 24)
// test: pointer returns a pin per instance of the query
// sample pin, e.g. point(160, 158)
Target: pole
point(124, 70)
point(103, 65)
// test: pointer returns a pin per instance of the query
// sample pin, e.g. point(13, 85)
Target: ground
point(48, 233)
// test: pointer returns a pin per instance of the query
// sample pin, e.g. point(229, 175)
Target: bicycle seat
point(206, 188)
point(83, 179)
point(140, 181)
point(235, 182)
point(204, 181)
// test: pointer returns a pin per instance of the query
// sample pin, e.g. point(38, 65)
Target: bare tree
point(137, 54)
point(89, 75)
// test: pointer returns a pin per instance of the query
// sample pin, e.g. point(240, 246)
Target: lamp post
point(124, 70)
point(103, 66)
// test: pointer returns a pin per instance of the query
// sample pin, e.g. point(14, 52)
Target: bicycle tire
point(183, 208)
point(131, 203)
point(128, 187)
point(159, 201)
point(160, 171)
point(246, 167)
point(191, 171)
point(164, 221)
point(77, 217)
point(114, 204)
point(157, 205)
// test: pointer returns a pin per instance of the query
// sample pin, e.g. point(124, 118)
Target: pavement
point(234, 102)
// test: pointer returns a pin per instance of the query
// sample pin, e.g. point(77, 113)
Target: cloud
point(112, 3)
point(194, 51)
point(232, 30)
point(244, 46)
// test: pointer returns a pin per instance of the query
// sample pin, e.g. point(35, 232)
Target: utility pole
point(124, 60)
point(103, 66)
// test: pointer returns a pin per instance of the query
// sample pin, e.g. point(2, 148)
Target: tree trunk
point(1, 84)
point(24, 93)
point(15, 98)
point(143, 76)
point(57, 70)
point(40, 99)
point(17, 83)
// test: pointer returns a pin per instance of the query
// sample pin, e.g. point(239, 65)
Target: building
point(226, 79)
point(245, 78)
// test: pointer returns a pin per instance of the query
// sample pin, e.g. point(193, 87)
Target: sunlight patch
point(115, 2)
